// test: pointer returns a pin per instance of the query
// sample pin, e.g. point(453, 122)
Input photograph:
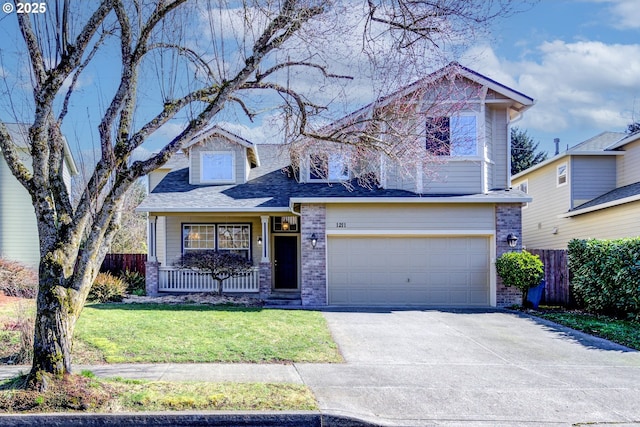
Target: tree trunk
point(58, 308)
point(219, 286)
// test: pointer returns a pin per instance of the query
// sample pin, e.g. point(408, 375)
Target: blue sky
point(580, 60)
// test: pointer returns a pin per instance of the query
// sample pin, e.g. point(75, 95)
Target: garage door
point(445, 271)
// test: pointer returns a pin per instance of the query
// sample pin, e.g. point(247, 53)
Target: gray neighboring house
point(18, 228)
point(591, 190)
point(419, 240)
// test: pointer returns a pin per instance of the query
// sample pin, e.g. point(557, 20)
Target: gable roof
point(216, 130)
point(597, 145)
point(520, 102)
point(20, 135)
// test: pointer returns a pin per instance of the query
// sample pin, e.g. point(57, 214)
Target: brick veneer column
point(152, 277)
point(265, 280)
point(313, 288)
point(508, 220)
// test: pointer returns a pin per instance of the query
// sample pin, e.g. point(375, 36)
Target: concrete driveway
point(417, 368)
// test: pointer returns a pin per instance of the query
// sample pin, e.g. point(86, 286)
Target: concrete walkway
point(438, 367)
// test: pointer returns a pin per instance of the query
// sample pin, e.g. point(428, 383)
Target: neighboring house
point(592, 190)
point(415, 241)
point(18, 227)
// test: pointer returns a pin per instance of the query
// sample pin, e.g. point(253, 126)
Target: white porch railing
point(174, 279)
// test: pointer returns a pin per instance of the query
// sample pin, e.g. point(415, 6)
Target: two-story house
point(429, 239)
point(18, 227)
point(591, 190)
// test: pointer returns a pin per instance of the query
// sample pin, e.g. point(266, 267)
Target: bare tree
point(198, 76)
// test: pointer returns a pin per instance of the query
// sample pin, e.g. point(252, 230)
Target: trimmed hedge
point(606, 275)
point(520, 269)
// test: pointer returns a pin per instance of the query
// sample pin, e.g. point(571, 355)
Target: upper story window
point(327, 167)
point(562, 175)
point(217, 167)
point(452, 136)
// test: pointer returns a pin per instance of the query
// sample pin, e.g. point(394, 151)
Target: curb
point(164, 419)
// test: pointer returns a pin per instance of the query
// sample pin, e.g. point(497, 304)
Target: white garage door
point(445, 271)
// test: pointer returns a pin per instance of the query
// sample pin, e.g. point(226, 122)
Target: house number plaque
point(341, 225)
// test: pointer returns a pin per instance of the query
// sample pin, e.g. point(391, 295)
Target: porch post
point(265, 264)
point(151, 244)
point(265, 238)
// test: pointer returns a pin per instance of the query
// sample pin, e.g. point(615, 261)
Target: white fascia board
point(601, 206)
point(417, 200)
point(211, 210)
point(412, 233)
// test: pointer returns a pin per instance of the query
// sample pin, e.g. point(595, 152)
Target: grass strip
point(90, 394)
point(623, 332)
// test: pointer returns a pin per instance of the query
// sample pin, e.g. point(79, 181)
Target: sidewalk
point(209, 372)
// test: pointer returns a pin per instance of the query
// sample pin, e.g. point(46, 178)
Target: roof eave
point(601, 206)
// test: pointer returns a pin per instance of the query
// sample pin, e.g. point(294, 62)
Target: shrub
point(18, 280)
point(520, 269)
point(606, 275)
point(107, 288)
point(136, 283)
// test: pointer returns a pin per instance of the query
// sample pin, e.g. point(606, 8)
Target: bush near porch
point(606, 276)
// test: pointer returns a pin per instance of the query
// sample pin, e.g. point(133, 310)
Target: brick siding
point(508, 220)
point(313, 288)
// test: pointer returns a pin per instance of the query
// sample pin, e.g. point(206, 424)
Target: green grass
point(88, 393)
point(620, 331)
point(153, 333)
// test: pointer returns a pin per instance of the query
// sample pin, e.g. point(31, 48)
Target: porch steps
point(284, 299)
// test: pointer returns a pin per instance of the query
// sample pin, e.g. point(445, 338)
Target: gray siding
point(18, 228)
point(500, 154)
point(217, 144)
point(591, 177)
point(455, 177)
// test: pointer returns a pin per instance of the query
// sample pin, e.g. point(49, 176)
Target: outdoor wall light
point(260, 241)
point(512, 240)
point(285, 225)
point(314, 240)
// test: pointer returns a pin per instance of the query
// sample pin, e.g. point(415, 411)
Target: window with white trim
point(327, 167)
point(561, 175)
point(234, 238)
point(454, 136)
point(217, 167)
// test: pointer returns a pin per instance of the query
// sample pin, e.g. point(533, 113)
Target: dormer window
point(454, 136)
point(217, 167)
point(327, 167)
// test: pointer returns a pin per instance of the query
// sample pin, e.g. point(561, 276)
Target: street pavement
point(446, 367)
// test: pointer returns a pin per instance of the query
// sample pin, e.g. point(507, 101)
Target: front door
point(285, 262)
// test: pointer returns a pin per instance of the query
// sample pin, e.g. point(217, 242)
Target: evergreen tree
point(524, 152)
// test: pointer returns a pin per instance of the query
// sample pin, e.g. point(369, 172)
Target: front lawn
point(154, 333)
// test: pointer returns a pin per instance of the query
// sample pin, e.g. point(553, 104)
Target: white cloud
point(577, 86)
point(625, 14)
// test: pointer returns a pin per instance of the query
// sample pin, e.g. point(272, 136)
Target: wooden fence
point(556, 276)
point(115, 263)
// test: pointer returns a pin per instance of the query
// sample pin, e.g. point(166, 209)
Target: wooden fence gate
point(115, 263)
point(556, 276)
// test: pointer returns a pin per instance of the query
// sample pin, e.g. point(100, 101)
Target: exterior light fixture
point(314, 240)
point(285, 225)
point(512, 240)
point(260, 241)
